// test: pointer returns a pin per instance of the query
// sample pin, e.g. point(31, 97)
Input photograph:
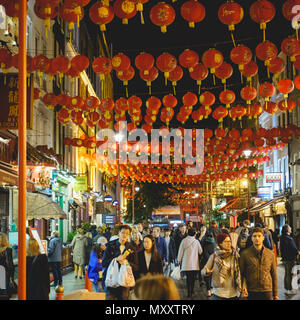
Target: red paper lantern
point(144, 62)
point(102, 66)
point(106, 104)
point(276, 66)
point(126, 75)
point(250, 70)
point(50, 100)
point(101, 14)
point(120, 62)
point(219, 113)
point(248, 93)
point(169, 101)
point(256, 110)
point(91, 103)
point(262, 12)
point(291, 47)
point(162, 15)
point(205, 111)
point(220, 132)
point(230, 13)
point(192, 11)
point(125, 9)
point(208, 133)
point(41, 62)
point(188, 59)
point(71, 14)
point(166, 63)
point(151, 76)
point(199, 73)
point(285, 86)
point(227, 97)
point(271, 107)
point(64, 100)
point(266, 90)
point(46, 11)
point(234, 134)
point(287, 105)
point(287, 8)
point(237, 112)
point(207, 99)
point(189, 99)
point(266, 51)
point(224, 71)
point(241, 55)
point(60, 65)
point(212, 59)
point(80, 62)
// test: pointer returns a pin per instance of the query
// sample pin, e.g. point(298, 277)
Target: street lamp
point(247, 153)
point(118, 138)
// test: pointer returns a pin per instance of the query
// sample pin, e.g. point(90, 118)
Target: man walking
point(161, 245)
point(179, 235)
point(258, 270)
point(289, 252)
point(171, 250)
point(55, 257)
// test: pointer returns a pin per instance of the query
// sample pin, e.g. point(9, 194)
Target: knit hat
point(221, 237)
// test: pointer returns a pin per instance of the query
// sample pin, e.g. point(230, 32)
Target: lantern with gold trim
point(241, 55)
point(199, 73)
point(212, 59)
point(193, 12)
point(151, 76)
point(174, 76)
point(125, 10)
point(250, 70)
point(224, 72)
point(71, 14)
point(219, 114)
point(162, 15)
point(126, 76)
point(166, 63)
point(266, 51)
point(227, 97)
point(46, 11)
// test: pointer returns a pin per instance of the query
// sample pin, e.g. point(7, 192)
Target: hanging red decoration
point(276, 66)
point(102, 66)
point(50, 100)
point(140, 8)
point(290, 46)
point(166, 63)
point(287, 105)
point(120, 62)
point(169, 101)
point(162, 15)
point(126, 76)
point(199, 73)
point(64, 100)
point(144, 62)
point(285, 86)
point(188, 59)
point(297, 82)
point(125, 9)
point(91, 103)
point(46, 11)
point(224, 72)
point(220, 113)
point(71, 14)
point(250, 70)
point(234, 134)
point(241, 55)
point(262, 12)
point(248, 94)
point(271, 107)
point(61, 65)
point(175, 75)
point(207, 99)
point(227, 97)
point(189, 99)
point(193, 12)
point(266, 90)
point(212, 59)
point(101, 14)
point(237, 112)
point(256, 110)
point(151, 76)
point(80, 62)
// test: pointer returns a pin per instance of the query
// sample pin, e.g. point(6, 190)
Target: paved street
point(71, 284)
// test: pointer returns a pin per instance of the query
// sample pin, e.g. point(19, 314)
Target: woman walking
point(148, 259)
point(188, 256)
point(6, 267)
point(37, 273)
point(223, 265)
point(79, 244)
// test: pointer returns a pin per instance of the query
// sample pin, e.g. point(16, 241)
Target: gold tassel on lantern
point(139, 7)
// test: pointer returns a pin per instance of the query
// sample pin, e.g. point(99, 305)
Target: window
point(29, 36)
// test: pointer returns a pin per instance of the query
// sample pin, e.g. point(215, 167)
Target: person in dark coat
point(214, 229)
point(171, 251)
point(107, 234)
point(179, 235)
point(289, 252)
point(208, 245)
point(6, 261)
point(161, 245)
point(148, 260)
point(37, 273)
point(121, 250)
point(55, 257)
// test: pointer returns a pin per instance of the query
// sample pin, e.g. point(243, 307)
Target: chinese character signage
point(9, 101)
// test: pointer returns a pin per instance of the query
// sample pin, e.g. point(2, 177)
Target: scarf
point(233, 270)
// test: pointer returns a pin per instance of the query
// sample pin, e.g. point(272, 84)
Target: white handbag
point(112, 275)
point(175, 274)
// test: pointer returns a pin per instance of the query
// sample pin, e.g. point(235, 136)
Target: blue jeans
point(56, 270)
point(96, 287)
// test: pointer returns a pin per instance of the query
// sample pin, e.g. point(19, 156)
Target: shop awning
point(38, 207)
point(236, 204)
point(265, 204)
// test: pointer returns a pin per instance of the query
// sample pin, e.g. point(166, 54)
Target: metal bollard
point(88, 283)
point(59, 292)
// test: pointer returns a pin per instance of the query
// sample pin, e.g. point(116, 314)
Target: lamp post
point(247, 154)
point(118, 138)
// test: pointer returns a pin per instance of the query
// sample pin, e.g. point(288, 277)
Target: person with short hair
point(258, 270)
point(179, 235)
point(161, 245)
point(37, 272)
point(79, 244)
point(289, 252)
point(121, 250)
point(54, 257)
point(136, 240)
point(156, 287)
point(171, 250)
point(188, 256)
point(214, 229)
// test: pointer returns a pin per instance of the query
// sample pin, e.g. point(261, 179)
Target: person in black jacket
point(289, 252)
point(37, 273)
point(208, 245)
point(171, 250)
point(148, 260)
point(6, 261)
point(121, 250)
point(179, 235)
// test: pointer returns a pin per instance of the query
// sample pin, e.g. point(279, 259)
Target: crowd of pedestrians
point(232, 263)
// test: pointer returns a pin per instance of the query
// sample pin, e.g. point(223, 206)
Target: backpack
point(243, 237)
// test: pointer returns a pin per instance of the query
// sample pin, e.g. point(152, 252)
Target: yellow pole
point(22, 153)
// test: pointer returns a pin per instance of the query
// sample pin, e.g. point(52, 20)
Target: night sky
point(134, 38)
